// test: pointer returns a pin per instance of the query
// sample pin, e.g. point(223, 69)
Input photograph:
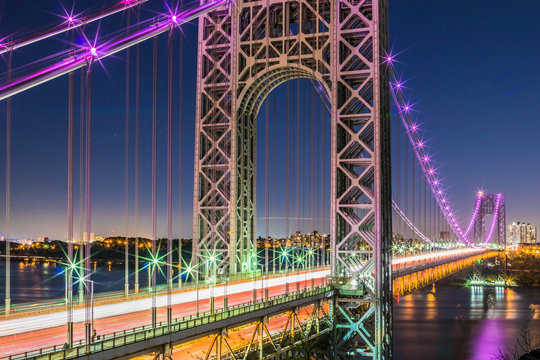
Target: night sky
point(470, 71)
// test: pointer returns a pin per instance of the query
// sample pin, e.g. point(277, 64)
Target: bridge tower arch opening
point(244, 52)
point(493, 208)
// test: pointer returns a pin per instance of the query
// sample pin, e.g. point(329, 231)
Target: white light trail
point(45, 321)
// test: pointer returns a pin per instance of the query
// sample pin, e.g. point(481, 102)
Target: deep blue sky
point(471, 71)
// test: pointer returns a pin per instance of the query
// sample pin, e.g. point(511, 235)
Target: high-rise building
point(521, 233)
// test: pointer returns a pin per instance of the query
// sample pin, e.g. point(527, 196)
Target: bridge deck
point(122, 318)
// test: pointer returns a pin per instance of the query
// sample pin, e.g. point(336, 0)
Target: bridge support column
point(257, 337)
point(70, 334)
point(245, 52)
point(221, 345)
point(361, 190)
point(165, 353)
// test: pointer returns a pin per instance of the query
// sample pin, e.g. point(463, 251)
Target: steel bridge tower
point(490, 204)
point(244, 52)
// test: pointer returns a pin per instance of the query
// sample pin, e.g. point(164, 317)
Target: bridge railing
point(126, 337)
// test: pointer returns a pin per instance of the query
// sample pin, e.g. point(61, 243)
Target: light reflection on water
point(455, 322)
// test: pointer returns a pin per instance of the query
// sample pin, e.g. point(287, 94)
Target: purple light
point(70, 19)
point(93, 51)
point(418, 148)
point(174, 19)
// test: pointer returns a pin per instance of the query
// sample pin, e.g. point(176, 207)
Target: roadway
point(48, 330)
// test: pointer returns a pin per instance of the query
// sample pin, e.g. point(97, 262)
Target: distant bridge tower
point(247, 50)
point(494, 205)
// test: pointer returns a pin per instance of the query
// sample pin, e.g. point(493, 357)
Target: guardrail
point(126, 337)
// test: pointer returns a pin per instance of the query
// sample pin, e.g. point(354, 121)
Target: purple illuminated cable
point(95, 53)
point(409, 223)
point(429, 173)
point(70, 22)
point(324, 96)
point(418, 146)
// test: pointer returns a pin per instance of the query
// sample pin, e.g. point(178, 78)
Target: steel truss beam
point(219, 340)
point(244, 53)
point(291, 341)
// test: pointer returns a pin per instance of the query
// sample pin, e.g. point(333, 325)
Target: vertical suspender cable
point(303, 142)
point(297, 154)
point(317, 154)
point(294, 172)
point(420, 198)
point(267, 146)
point(81, 186)
point(274, 179)
point(126, 175)
point(69, 270)
point(413, 179)
point(169, 175)
point(397, 132)
point(287, 173)
point(432, 217)
point(8, 192)
point(154, 182)
point(137, 123)
point(180, 142)
point(313, 176)
point(406, 177)
point(425, 206)
point(87, 238)
point(323, 179)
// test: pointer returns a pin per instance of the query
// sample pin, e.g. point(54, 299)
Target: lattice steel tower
point(244, 53)
point(494, 205)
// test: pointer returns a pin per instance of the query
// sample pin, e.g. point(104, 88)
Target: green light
point(155, 261)
point(479, 261)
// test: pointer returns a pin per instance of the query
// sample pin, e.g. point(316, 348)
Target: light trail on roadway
point(49, 337)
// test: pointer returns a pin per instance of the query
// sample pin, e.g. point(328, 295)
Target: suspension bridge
point(391, 226)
